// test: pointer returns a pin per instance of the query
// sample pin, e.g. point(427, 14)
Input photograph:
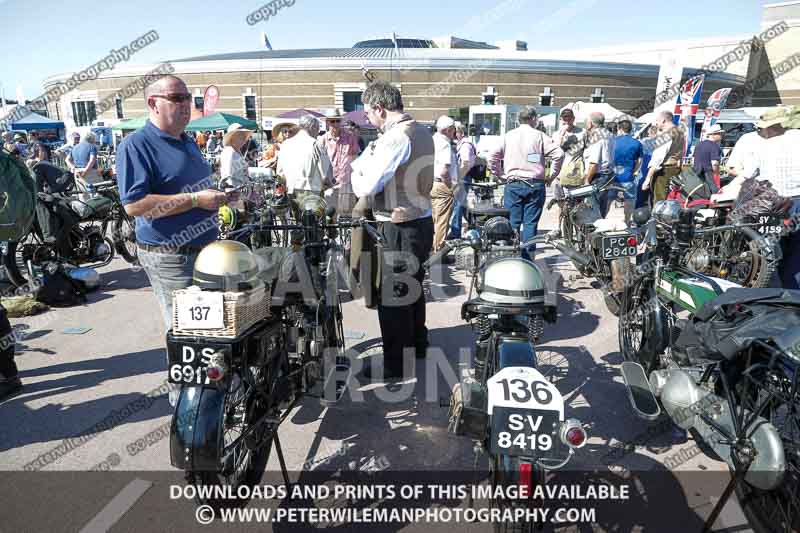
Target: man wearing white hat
point(445, 178)
point(708, 154)
point(342, 148)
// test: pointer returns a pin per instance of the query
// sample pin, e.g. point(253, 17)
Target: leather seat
point(488, 212)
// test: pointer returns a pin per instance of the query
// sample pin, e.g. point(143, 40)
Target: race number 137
point(523, 391)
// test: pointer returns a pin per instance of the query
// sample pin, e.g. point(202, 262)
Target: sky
point(48, 37)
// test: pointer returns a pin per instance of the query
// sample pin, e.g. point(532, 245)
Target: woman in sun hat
point(280, 133)
point(233, 167)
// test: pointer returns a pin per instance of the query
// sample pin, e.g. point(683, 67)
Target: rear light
point(573, 434)
point(216, 369)
point(526, 479)
point(632, 241)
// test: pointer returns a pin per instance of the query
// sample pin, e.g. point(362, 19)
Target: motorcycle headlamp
point(498, 229)
point(667, 212)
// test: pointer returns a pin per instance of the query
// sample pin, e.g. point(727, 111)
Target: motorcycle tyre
point(121, 246)
point(505, 471)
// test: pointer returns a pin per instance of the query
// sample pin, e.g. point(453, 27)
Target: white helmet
point(512, 281)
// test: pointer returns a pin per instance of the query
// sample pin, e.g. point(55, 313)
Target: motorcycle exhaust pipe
point(582, 259)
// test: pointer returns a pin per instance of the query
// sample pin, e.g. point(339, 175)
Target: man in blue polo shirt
point(628, 159)
point(164, 182)
point(82, 160)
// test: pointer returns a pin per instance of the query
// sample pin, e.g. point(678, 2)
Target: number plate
point(200, 310)
point(188, 362)
point(770, 225)
point(525, 432)
point(617, 246)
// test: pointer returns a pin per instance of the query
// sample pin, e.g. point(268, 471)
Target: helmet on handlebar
point(512, 281)
point(498, 229)
point(226, 266)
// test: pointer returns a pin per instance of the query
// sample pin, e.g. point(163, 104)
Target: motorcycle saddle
point(489, 212)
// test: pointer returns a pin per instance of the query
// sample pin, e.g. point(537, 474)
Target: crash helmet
point(226, 266)
point(498, 229)
point(511, 281)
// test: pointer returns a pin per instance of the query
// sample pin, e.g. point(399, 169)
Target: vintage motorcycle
point(85, 224)
point(505, 402)
point(738, 250)
point(598, 247)
point(723, 361)
point(237, 390)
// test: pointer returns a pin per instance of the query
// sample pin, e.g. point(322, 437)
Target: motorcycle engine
point(698, 259)
point(99, 249)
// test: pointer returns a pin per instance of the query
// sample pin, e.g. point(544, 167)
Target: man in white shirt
point(571, 139)
point(598, 156)
point(467, 156)
point(394, 177)
point(445, 179)
point(304, 163)
point(742, 161)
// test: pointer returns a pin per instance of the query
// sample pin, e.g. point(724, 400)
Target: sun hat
point(233, 130)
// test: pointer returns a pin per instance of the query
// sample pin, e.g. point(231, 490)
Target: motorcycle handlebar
point(438, 256)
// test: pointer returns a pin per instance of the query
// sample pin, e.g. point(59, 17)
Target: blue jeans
point(459, 214)
point(525, 201)
point(167, 272)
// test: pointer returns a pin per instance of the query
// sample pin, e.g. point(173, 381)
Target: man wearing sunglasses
point(164, 181)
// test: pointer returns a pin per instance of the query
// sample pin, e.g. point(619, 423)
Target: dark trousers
point(525, 201)
point(8, 369)
point(789, 269)
point(403, 323)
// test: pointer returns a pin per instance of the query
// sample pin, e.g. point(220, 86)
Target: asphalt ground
point(72, 382)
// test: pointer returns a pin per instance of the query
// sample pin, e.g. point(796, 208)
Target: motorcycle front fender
point(196, 429)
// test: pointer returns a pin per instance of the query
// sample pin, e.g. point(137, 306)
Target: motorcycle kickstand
point(726, 494)
point(282, 461)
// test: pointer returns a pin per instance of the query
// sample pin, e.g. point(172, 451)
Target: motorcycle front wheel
point(637, 326)
point(30, 247)
point(124, 229)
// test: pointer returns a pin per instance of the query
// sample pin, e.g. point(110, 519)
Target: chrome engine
point(698, 259)
point(685, 402)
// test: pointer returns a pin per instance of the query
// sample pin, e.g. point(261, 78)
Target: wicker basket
point(240, 311)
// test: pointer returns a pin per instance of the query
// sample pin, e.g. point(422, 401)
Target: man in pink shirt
point(342, 148)
point(523, 155)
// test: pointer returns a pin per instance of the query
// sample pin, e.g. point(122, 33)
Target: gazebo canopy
point(220, 121)
point(297, 113)
point(359, 118)
point(131, 124)
point(35, 121)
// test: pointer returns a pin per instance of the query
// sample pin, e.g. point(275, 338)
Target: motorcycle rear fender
point(195, 437)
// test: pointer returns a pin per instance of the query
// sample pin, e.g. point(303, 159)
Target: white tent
point(582, 111)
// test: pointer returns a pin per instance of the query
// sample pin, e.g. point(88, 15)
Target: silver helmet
point(512, 281)
point(226, 266)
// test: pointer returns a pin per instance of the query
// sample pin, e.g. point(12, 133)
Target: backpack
point(60, 290)
point(17, 199)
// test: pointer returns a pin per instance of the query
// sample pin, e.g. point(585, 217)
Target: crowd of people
point(411, 181)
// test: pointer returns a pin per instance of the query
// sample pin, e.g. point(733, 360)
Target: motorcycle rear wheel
point(240, 464)
point(14, 260)
point(637, 322)
point(505, 472)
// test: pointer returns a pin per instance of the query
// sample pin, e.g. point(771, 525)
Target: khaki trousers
point(661, 182)
point(442, 202)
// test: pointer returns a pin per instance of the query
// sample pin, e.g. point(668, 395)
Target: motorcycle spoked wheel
point(752, 264)
point(778, 510)
point(505, 472)
point(124, 232)
point(242, 463)
point(637, 322)
point(15, 259)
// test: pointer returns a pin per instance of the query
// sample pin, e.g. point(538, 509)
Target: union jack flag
point(687, 103)
point(716, 103)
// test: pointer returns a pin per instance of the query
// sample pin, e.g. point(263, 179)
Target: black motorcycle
point(73, 229)
point(236, 392)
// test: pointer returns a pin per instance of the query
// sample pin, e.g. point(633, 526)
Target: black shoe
point(371, 367)
point(9, 388)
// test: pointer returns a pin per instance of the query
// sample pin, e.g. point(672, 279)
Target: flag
point(210, 100)
point(265, 41)
point(716, 103)
point(687, 104)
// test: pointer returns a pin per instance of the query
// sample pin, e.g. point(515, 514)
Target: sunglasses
point(175, 98)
